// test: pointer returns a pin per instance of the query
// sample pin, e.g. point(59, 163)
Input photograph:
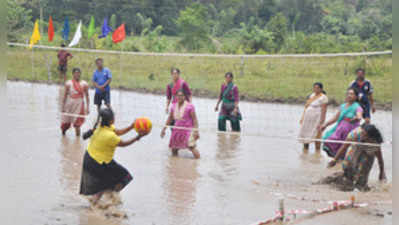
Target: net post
point(242, 66)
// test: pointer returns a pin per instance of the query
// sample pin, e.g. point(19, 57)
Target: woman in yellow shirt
point(100, 172)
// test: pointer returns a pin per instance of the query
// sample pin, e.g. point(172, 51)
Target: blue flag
point(105, 29)
point(65, 31)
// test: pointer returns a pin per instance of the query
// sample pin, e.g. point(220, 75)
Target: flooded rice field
point(238, 180)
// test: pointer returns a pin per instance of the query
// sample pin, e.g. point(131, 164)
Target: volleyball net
point(264, 81)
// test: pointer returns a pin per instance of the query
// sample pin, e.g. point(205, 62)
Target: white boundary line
point(206, 55)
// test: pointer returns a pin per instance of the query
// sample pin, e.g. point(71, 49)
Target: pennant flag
point(77, 36)
point(50, 31)
point(92, 27)
point(105, 29)
point(119, 34)
point(65, 31)
point(35, 35)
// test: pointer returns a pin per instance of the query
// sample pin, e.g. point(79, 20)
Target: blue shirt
point(100, 77)
point(364, 90)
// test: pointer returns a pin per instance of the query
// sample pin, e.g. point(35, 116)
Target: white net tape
point(206, 55)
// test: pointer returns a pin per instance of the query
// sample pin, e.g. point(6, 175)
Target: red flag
point(50, 29)
point(119, 34)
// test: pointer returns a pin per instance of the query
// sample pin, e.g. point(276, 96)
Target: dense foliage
point(225, 26)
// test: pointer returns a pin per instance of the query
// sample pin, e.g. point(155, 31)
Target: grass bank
point(286, 80)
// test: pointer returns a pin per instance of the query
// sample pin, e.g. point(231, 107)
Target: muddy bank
point(208, 94)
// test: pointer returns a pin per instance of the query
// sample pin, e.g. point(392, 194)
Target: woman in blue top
point(347, 118)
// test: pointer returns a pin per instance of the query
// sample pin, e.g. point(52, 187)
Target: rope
point(206, 55)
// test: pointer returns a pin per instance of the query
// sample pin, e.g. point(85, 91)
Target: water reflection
point(226, 154)
point(181, 187)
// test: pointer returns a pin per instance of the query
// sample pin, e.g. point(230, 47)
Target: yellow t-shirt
point(103, 143)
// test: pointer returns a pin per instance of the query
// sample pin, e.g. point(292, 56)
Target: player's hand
point(332, 163)
point(167, 110)
point(301, 121)
point(143, 133)
point(102, 88)
point(373, 109)
point(216, 108)
point(235, 111)
point(163, 133)
point(382, 177)
point(196, 135)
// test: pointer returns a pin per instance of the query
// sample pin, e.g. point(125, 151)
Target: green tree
point(278, 25)
point(19, 20)
point(194, 26)
point(113, 22)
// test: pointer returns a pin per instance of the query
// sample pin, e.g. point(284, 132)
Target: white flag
point(77, 36)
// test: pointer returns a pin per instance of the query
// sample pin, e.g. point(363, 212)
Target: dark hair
point(230, 74)
point(63, 45)
point(76, 69)
point(320, 86)
point(356, 92)
point(373, 132)
point(174, 69)
point(106, 115)
point(99, 59)
point(360, 69)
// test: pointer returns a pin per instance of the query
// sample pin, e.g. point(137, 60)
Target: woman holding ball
point(183, 113)
point(101, 173)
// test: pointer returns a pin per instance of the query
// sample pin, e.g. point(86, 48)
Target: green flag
point(92, 27)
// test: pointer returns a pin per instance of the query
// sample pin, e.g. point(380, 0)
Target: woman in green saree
point(230, 97)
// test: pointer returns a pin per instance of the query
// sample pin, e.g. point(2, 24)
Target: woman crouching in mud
point(359, 160)
point(101, 174)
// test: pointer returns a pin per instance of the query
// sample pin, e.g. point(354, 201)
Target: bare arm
point(332, 120)
point(129, 142)
point(66, 91)
point(195, 120)
point(380, 159)
point(371, 98)
point(123, 131)
point(168, 122)
point(87, 100)
point(106, 83)
point(323, 114)
point(341, 151)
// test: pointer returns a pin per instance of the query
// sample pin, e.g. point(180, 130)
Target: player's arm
point(219, 100)
point(66, 91)
point(341, 151)
point(332, 120)
point(168, 122)
point(123, 143)
point(123, 131)
point(87, 99)
point(168, 98)
point(380, 159)
point(371, 99)
point(195, 120)
point(108, 81)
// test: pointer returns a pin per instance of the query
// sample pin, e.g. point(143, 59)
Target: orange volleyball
point(142, 125)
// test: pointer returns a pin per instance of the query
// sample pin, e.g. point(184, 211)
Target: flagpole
point(120, 59)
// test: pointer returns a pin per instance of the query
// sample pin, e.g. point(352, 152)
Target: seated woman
point(230, 111)
point(359, 160)
point(183, 113)
point(101, 173)
point(347, 118)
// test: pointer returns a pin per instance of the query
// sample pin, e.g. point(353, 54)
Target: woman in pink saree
point(178, 84)
point(73, 103)
point(183, 113)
